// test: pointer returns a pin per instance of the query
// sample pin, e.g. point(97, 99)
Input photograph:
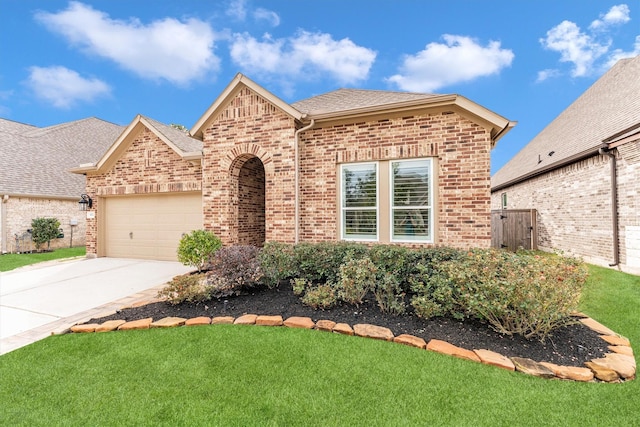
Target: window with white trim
point(387, 201)
point(411, 204)
point(359, 201)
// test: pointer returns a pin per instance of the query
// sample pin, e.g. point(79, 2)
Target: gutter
point(296, 167)
point(605, 151)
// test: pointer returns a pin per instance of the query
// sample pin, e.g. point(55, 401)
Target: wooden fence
point(514, 229)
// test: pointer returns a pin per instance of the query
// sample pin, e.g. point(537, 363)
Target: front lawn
point(13, 261)
point(250, 375)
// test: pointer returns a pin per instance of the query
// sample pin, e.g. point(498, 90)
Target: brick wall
point(250, 203)
point(148, 166)
point(574, 206)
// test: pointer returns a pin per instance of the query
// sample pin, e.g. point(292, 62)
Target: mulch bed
point(570, 346)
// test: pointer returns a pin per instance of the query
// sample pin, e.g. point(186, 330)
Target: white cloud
point(547, 74)
point(305, 53)
point(63, 87)
point(619, 54)
point(618, 14)
point(269, 16)
point(237, 9)
point(459, 59)
point(165, 49)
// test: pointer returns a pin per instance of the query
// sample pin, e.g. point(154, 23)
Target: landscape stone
point(570, 372)
point(168, 322)
point(269, 320)
point(299, 322)
point(411, 340)
point(247, 319)
point(223, 320)
point(446, 348)
point(615, 340)
point(373, 331)
point(110, 325)
point(623, 365)
point(136, 324)
point(596, 326)
point(531, 367)
point(343, 328)
point(492, 358)
point(197, 321)
point(602, 372)
point(325, 325)
point(621, 349)
point(83, 329)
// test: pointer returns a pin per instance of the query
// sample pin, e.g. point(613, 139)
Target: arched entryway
point(248, 202)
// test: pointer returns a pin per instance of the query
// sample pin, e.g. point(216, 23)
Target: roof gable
point(239, 81)
point(608, 107)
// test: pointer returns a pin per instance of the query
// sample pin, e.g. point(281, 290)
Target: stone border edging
point(617, 366)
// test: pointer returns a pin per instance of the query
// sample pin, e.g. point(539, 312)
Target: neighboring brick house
point(35, 180)
point(371, 166)
point(565, 173)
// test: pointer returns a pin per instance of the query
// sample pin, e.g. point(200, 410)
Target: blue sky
point(527, 60)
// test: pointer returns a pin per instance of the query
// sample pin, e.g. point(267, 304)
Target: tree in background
point(43, 230)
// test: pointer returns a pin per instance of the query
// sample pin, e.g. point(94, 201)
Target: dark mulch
point(570, 346)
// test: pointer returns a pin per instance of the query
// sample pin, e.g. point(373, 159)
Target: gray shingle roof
point(181, 139)
point(610, 105)
point(350, 99)
point(36, 161)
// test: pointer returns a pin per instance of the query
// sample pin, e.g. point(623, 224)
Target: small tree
point(43, 230)
point(196, 248)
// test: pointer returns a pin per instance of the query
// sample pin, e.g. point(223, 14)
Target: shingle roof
point(181, 139)
point(350, 99)
point(36, 161)
point(609, 106)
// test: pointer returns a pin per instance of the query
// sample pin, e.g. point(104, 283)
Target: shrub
point(357, 276)
point(320, 262)
point(392, 259)
point(389, 294)
point(321, 296)
point(196, 248)
point(299, 285)
point(515, 293)
point(43, 230)
point(186, 288)
point(277, 263)
point(234, 269)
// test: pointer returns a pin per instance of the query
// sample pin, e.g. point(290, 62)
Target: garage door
point(149, 227)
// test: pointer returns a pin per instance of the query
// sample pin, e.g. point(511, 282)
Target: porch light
point(85, 202)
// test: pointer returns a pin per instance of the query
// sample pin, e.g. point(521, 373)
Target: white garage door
point(150, 227)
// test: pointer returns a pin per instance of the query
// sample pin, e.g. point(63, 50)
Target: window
point(359, 201)
point(504, 200)
point(411, 200)
point(387, 201)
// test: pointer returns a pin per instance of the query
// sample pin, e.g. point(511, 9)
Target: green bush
point(357, 276)
point(277, 262)
point(321, 296)
point(389, 294)
point(522, 293)
point(299, 285)
point(43, 230)
point(186, 288)
point(234, 269)
point(320, 262)
point(197, 248)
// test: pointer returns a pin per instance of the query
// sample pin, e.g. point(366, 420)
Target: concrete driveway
point(40, 300)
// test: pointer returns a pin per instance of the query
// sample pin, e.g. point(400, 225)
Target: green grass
point(13, 261)
point(250, 375)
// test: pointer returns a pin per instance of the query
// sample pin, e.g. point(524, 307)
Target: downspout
point(3, 223)
point(614, 205)
point(296, 167)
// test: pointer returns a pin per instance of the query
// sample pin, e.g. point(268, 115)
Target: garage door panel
point(150, 227)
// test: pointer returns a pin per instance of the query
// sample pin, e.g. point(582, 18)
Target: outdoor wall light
point(85, 202)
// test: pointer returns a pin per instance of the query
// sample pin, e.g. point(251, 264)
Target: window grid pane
point(360, 201)
point(411, 200)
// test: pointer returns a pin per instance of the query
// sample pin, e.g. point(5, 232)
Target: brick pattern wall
point(249, 127)
point(20, 211)
point(148, 166)
point(462, 150)
point(574, 205)
point(250, 206)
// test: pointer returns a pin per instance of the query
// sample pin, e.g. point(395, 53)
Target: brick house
point(581, 174)
point(361, 165)
point(35, 181)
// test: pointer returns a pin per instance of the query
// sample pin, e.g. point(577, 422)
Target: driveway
point(40, 300)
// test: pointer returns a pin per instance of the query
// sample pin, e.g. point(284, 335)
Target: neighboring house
point(582, 174)
point(35, 180)
point(360, 165)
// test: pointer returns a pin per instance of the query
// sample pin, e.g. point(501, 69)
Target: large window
point(411, 200)
point(359, 201)
point(387, 201)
